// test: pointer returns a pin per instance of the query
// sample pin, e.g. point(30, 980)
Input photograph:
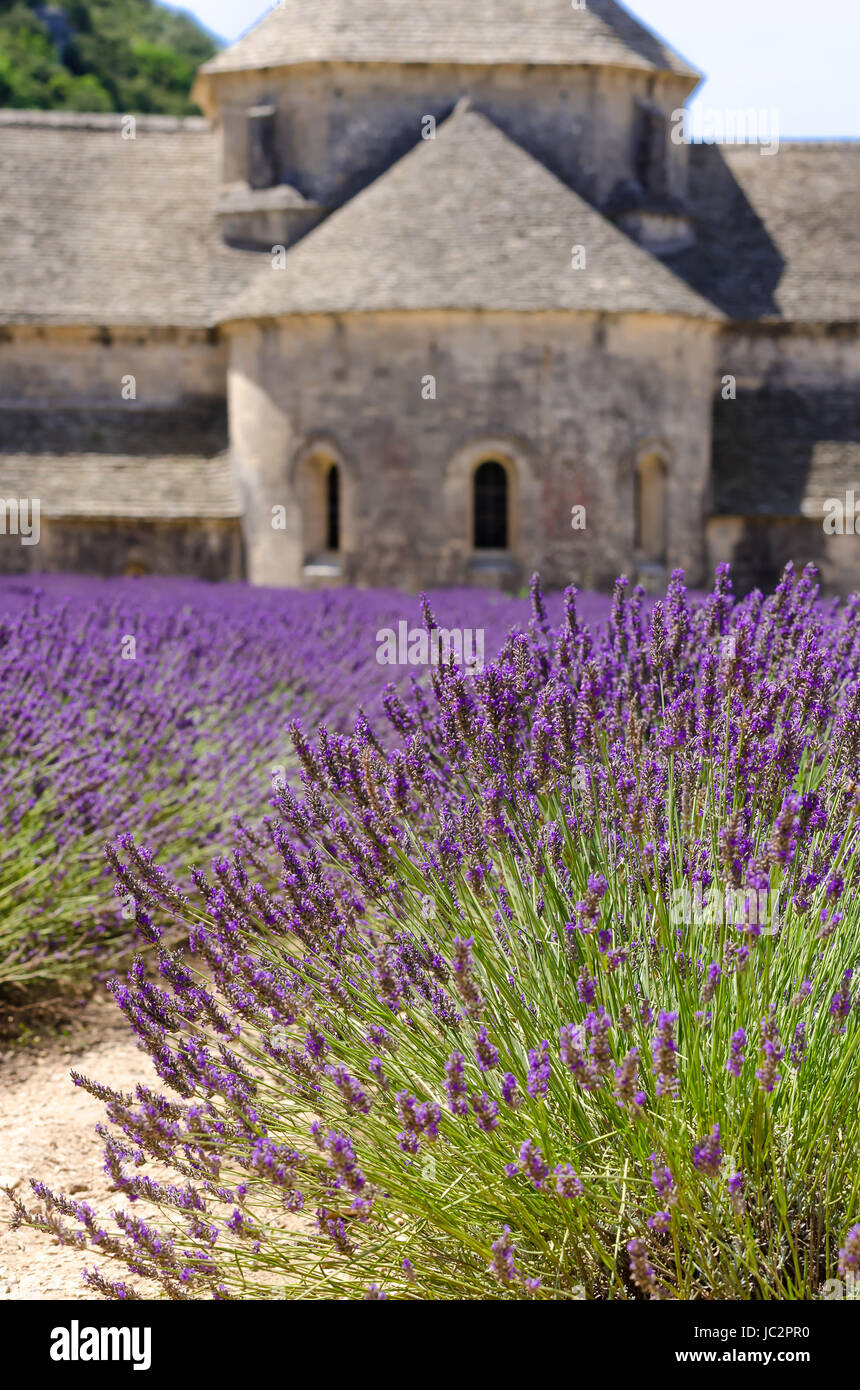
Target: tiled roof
point(777, 236)
point(449, 31)
point(165, 487)
point(97, 229)
point(468, 220)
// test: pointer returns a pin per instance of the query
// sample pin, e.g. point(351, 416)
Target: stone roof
point(834, 471)
point(449, 31)
point(777, 236)
point(166, 487)
point(780, 452)
point(97, 229)
point(468, 220)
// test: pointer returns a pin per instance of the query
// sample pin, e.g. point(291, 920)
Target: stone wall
point(338, 126)
point(80, 367)
point(206, 549)
point(789, 441)
point(61, 398)
point(568, 403)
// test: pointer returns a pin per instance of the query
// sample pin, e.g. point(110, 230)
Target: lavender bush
point(556, 996)
point(170, 735)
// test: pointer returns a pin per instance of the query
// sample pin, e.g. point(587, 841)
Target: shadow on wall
point(733, 261)
point(778, 455)
point(765, 547)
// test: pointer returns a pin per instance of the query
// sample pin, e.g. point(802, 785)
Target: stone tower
point(436, 331)
point(433, 295)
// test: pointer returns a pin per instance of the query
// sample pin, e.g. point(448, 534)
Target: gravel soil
point(47, 1131)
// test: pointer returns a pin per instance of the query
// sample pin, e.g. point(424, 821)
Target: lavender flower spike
point(708, 1154)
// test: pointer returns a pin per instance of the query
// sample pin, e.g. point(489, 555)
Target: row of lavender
point(555, 996)
point(161, 706)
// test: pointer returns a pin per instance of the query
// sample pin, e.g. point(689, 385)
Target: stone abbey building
point(424, 280)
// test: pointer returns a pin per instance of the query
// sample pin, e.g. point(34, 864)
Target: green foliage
point(118, 55)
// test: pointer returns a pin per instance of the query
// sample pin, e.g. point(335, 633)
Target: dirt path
point(47, 1131)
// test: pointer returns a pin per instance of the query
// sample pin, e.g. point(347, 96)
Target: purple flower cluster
point(708, 1154)
point(736, 1057)
point(768, 1074)
point(102, 734)
point(665, 1055)
point(546, 809)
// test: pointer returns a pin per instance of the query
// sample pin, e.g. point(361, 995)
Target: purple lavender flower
point(597, 1025)
point(573, 1055)
point(502, 1266)
point(315, 1044)
point(455, 1084)
point(354, 1098)
point(509, 1091)
point(840, 1006)
point(736, 1192)
point(532, 1165)
point(768, 1074)
point(335, 1228)
point(736, 1056)
point(797, 1048)
point(378, 1036)
point(641, 1272)
point(665, 1054)
point(586, 987)
point(849, 1254)
point(540, 1068)
point(343, 1162)
point(711, 981)
point(463, 974)
point(485, 1054)
point(663, 1181)
point(486, 1111)
point(626, 1090)
point(567, 1184)
point(708, 1154)
point(375, 1068)
point(588, 911)
point(418, 1120)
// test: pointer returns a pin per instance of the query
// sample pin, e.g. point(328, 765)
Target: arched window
point(651, 509)
point(491, 506)
point(333, 508)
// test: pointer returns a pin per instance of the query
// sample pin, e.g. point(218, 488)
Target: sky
point(795, 57)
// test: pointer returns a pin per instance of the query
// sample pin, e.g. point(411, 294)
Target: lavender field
point(538, 981)
point(161, 708)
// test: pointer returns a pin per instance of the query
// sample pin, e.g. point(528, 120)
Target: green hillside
point(99, 55)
